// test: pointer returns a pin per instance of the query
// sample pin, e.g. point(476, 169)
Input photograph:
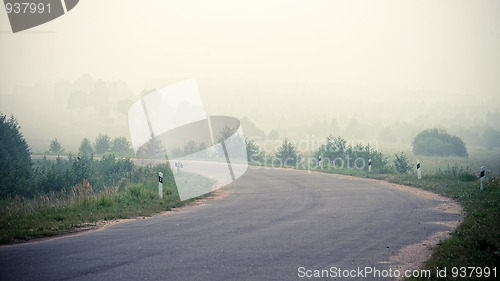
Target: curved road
point(271, 223)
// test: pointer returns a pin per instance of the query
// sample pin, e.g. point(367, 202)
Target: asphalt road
point(270, 223)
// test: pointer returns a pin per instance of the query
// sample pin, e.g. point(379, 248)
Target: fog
point(363, 69)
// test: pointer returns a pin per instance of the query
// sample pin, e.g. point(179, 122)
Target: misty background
point(381, 70)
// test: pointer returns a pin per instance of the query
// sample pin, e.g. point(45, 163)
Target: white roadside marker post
point(369, 165)
point(160, 185)
point(320, 161)
point(419, 174)
point(481, 186)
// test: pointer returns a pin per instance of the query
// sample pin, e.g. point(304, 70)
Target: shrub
point(332, 149)
point(287, 153)
point(401, 163)
point(135, 190)
point(437, 142)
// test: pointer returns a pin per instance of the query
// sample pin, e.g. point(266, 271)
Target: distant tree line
point(103, 144)
point(333, 153)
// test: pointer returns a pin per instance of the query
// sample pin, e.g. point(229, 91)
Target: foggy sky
point(270, 53)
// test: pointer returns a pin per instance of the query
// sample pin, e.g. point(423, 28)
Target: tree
point(15, 159)
point(121, 145)
point(102, 144)
point(401, 163)
point(437, 142)
point(287, 153)
point(253, 150)
point(153, 148)
point(55, 146)
point(224, 134)
point(332, 148)
point(86, 147)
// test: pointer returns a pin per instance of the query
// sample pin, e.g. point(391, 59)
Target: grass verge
point(476, 242)
point(24, 219)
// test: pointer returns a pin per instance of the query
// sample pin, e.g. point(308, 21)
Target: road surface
point(271, 223)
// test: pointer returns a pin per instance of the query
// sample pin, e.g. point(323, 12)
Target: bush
point(334, 148)
point(135, 190)
point(287, 153)
point(401, 163)
point(437, 142)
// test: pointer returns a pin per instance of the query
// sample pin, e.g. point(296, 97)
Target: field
point(478, 156)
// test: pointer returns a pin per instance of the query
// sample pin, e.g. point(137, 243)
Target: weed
point(135, 191)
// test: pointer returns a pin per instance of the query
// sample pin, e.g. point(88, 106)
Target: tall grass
point(54, 213)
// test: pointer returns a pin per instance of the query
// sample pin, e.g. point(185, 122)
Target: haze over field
point(364, 69)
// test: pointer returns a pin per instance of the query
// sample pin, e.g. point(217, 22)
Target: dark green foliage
point(86, 147)
point(15, 161)
point(437, 142)
point(64, 174)
point(401, 163)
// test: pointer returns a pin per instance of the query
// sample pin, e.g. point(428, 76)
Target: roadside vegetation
point(83, 205)
point(475, 243)
point(42, 198)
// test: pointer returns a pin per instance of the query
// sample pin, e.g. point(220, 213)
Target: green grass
point(476, 242)
point(47, 215)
